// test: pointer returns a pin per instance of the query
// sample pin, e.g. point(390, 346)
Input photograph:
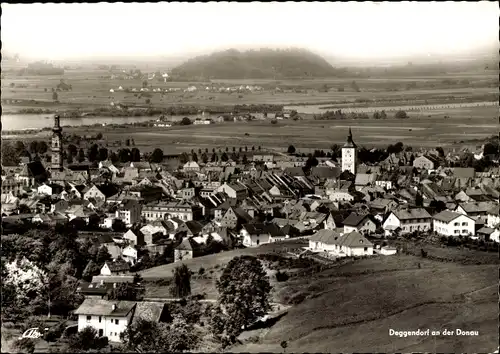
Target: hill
point(255, 64)
point(353, 307)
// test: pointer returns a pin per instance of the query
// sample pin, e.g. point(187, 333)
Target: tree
point(87, 339)
point(157, 156)
point(93, 153)
point(127, 292)
point(90, 270)
point(224, 157)
point(274, 121)
point(183, 158)
point(145, 83)
point(103, 154)
point(182, 281)
point(244, 159)
point(440, 151)
point(135, 155)
point(311, 162)
point(194, 157)
point(113, 157)
point(186, 121)
point(118, 226)
point(42, 147)
point(204, 158)
point(401, 115)
point(124, 155)
point(33, 147)
point(291, 149)
point(55, 97)
point(103, 255)
point(127, 142)
point(9, 156)
point(244, 293)
point(355, 86)
point(69, 159)
point(72, 150)
point(19, 147)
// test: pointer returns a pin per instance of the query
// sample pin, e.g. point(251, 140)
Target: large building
point(57, 148)
point(349, 155)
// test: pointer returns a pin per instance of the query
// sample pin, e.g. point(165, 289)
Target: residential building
point(408, 220)
point(359, 223)
point(493, 218)
point(160, 210)
point(129, 212)
point(109, 318)
point(448, 223)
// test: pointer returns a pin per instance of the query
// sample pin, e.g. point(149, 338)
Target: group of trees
point(338, 114)
point(12, 152)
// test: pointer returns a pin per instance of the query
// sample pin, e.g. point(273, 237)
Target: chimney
point(102, 282)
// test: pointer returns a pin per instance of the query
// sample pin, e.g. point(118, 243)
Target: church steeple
point(350, 142)
point(56, 146)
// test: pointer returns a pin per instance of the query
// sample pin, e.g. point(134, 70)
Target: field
point(396, 294)
point(91, 89)
point(422, 129)
point(371, 296)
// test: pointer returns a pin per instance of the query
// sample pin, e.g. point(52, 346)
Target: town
point(141, 215)
point(239, 187)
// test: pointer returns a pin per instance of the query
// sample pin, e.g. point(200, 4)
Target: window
point(89, 318)
point(366, 249)
point(464, 231)
point(457, 231)
point(464, 224)
point(457, 224)
point(100, 318)
point(116, 322)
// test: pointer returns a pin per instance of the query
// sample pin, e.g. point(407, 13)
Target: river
point(40, 121)
point(321, 108)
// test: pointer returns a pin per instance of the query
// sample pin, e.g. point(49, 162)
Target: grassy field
point(395, 295)
point(423, 129)
point(91, 89)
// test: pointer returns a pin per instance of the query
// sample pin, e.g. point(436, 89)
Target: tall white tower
point(57, 148)
point(349, 155)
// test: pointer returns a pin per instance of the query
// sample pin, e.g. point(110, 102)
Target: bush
point(274, 121)
point(297, 298)
point(201, 271)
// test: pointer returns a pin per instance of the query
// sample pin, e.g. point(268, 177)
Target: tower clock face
point(348, 154)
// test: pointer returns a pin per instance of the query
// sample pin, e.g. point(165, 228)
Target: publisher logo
point(32, 333)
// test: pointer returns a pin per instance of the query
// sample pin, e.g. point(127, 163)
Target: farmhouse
point(408, 220)
point(109, 318)
point(448, 223)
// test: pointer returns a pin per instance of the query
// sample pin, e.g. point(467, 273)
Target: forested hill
point(255, 64)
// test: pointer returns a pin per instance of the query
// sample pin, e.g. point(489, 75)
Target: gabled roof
point(187, 244)
point(477, 207)
point(118, 266)
point(363, 179)
point(354, 239)
point(355, 219)
point(410, 214)
point(101, 307)
point(326, 172)
point(494, 210)
point(447, 216)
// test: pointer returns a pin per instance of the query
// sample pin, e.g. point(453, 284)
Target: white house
point(408, 220)
point(109, 318)
point(253, 235)
point(107, 222)
point(359, 223)
point(493, 217)
point(129, 212)
point(44, 189)
point(339, 195)
point(448, 223)
point(93, 192)
point(129, 254)
point(191, 166)
point(346, 245)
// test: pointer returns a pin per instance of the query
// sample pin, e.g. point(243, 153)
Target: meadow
point(449, 128)
point(337, 310)
point(91, 89)
point(370, 296)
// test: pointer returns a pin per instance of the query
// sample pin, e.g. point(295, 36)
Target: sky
point(344, 30)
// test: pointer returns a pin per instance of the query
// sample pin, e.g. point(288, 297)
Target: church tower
point(349, 155)
point(56, 146)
